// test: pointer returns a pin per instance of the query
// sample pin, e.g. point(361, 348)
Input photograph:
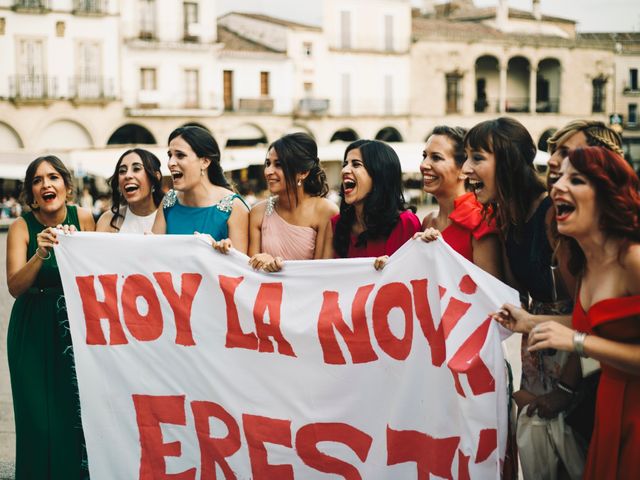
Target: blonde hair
point(598, 135)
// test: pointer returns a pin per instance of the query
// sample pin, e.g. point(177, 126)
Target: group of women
point(575, 240)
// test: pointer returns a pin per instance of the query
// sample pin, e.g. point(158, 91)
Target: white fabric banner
point(191, 365)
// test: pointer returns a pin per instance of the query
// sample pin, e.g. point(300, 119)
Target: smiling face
point(577, 140)
point(185, 166)
point(440, 173)
point(133, 180)
point(273, 173)
point(480, 169)
point(48, 188)
point(356, 181)
point(574, 198)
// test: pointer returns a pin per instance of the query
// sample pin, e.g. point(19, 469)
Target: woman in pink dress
point(598, 213)
point(374, 220)
point(291, 223)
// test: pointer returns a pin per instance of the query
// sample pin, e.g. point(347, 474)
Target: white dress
point(133, 223)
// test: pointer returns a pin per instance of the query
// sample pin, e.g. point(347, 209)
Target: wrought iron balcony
point(91, 89)
point(89, 7)
point(32, 88)
point(35, 6)
point(256, 105)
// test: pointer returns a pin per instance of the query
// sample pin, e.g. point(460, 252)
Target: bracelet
point(578, 343)
point(41, 257)
point(565, 388)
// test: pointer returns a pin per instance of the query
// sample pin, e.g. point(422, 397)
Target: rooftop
point(277, 21)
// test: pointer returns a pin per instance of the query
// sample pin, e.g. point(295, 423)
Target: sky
point(591, 15)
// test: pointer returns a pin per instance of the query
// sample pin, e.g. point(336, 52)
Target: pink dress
point(407, 225)
point(281, 239)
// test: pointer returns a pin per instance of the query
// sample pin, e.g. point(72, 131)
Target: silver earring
point(299, 182)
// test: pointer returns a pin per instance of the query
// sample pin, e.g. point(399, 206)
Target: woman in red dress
point(598, 213)
point(374, 220)
point(459, 218)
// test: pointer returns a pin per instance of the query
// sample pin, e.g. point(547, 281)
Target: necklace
point(41, 218)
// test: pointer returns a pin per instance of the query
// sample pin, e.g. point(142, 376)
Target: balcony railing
point(89, 7)
point(628, 91)
point(548, 106)
point(90, 89)
point(313, 106)
point(486, 105)
point(255, 105)
point(517, 105)
point(32, 88)
point(31, 5)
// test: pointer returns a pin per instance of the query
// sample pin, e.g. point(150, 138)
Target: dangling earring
point(299, 182)
point(34, 205)
point(202, 173)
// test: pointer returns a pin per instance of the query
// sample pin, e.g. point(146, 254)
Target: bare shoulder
point(19, 228)
point(258, 209)
point(631, 265)
point(104, 222)
point(87, 223)
point(326, 207)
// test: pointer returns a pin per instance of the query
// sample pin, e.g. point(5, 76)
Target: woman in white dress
point(135, 194)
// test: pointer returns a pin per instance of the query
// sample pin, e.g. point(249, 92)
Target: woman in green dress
point(49, 439)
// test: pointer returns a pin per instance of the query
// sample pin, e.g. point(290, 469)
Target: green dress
point(49, 438)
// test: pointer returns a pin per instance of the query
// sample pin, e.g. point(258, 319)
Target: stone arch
point(246, 135)
point(389, 134)
point(298, 127)
point(196, 124)
point(548, 85)
point(64, 134)
point(518, 72)
point(487, 70)
point(131, 133)
point(9, 138)
point(345, 135)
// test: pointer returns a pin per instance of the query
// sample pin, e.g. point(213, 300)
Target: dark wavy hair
point(151, 166)
point(616, 186)
point(204, 146)
point(516, 181)
point(298, 153)
point(383, 204)
point(456, 137)
point(26, 194)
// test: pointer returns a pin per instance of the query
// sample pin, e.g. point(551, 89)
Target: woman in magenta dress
point(459, 218)
point(598, 214)
point(374, 220)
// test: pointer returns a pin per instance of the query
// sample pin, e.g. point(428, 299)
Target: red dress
point(467, 223)
point(614, 451)
point(408, 224)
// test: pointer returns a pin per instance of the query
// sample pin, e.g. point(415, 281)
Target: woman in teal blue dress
point(49, 439)
point(201, 199)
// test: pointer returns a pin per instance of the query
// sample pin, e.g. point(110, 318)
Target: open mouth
point(176, 175)
point(475, 185)
point(552, 177)
point(48, 196)
point(130, 188)
point(563, 210)
point(428, 179)
point(348, 185)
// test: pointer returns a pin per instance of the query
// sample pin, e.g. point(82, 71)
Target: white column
point(533, 85)
point(502, 98)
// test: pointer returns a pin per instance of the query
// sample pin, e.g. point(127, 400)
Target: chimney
point(428, 8)
point(502, 14)
point(537, 14)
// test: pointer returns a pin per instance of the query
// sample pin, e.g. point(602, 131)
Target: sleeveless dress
point(467, 223)
point(184, 220)
point(614, 451)
point(408, 224)
point(281, 239)
point(49, 438)
point(133, 223)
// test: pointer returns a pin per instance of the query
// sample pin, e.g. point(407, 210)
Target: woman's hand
point(514, 318)
point(46, 239)
point(67, 229)
point(551, 335)
point(222, 246)
point(380, 262)
point(264, 261)
point(428, 235)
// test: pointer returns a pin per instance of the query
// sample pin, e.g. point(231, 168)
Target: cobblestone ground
point(7, 429)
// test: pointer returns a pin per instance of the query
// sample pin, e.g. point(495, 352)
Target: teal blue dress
point(183, 220)
point(49, 438)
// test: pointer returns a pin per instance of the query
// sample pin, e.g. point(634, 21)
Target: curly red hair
point(616, 186)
